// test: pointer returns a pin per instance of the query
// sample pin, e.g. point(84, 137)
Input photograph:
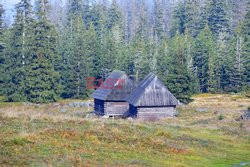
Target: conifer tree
point(57, 15)
point(18, 51)
point(76, 56)
point(112, 41)
point(205, 60)
point(217, 17)
point(179, 79)
point(158, 25)
point(87, 18)
point(187, 16)
point(189, 46)
point(237, 62)
point(223, 62)
point(245, 32)
point(193, 19)
point(142, 29)
point(139, 54)
point(163, 59)
point(92, 50)
point(114, 16)
point(178, 20)
point(1, 28)
point(42, 82)
point(2, 57)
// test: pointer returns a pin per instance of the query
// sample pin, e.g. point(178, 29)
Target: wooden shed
point(151, 99)
point(111, 101)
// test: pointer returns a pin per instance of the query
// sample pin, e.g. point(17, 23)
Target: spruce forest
point(194, 46)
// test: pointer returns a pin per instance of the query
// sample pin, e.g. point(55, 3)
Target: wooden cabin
point(111, 101)
point(151, 99)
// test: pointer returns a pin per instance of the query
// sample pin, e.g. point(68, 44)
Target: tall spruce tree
point(92, 50)
point(1, 28)
point(112, 41)
point(114, 16)
point(205, 60)
point(163, 59)
point(178, 20)
point(142, 29)
point(18, 51)
point(237, 77)
point(187, 16)
point(77, 53)
point(42, 82)
point(237, 62)
point(245, 32)
point(223, 62)
point(2, 57)
point(158, 21)
point(217, 17)
point(179, 79)
point(138, 50)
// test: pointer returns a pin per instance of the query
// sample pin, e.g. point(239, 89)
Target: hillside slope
point(207, 132)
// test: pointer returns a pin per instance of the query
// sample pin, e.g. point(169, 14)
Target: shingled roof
point(115, 94)
point(151, 92)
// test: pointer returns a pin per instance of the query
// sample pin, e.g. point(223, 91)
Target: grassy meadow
point(207, 132)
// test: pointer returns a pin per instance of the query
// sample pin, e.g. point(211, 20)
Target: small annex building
point(151, 99)
point(111, 101)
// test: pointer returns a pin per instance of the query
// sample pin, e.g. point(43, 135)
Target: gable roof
point(115, 94)
point(151, 92)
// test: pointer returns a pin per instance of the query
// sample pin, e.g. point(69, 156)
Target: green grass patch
point(195, 139)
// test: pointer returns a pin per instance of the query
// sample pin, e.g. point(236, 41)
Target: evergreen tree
point(178, 20)
point(112, 42)
point(114, 16)
point(76, 53)
point(96, 37)
point(142, 29)
point(179, 80)
point(217, 17)
point(18, 51)
point(205, 60)
point(203, 19)
point(140, 56)
point(245, 32)
point(237, 78)
point(189, 47)
point(193, 20)
point(57, 16)
point(163, 59)
point(187, 16)
point(158, 25)
point(112, 50)
point(42, 82)
point(224, 62)
point(237, 62)
point(87, 18)
point(1, 28)
point(2, 57)
point(92, 50)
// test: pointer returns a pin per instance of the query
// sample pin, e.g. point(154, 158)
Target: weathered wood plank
point(116, 108)
point(155, 112)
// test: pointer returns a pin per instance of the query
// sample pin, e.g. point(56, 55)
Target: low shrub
point(221, 117)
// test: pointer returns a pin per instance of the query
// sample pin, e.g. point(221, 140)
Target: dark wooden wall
point(99, 107)
point(152, 112)
point(109, 108)
point(118, 109)
point(132, 111)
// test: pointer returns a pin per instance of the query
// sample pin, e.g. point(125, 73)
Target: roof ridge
point(139, 91)
point(116, 76)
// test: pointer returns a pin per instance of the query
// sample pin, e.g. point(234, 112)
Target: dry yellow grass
point(59, 135)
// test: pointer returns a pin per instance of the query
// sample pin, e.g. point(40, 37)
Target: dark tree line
point(193, 45)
